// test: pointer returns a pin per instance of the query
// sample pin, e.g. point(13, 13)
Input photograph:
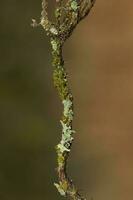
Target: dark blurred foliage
point(99, 62)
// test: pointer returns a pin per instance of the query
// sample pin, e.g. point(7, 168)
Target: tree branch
point(67, 16)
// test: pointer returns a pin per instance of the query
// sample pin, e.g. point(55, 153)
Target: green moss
point(59, 77)
point(60, 159)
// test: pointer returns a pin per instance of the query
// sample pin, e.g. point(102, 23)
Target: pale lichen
point(53, 30)
point(67, 138)
point(68, 112)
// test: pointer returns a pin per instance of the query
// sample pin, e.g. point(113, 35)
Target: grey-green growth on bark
point(67, 15)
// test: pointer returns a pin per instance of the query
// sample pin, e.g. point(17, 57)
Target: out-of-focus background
point(99, 60)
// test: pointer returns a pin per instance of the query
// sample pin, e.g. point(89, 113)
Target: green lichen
point(65, 143)
point(68, 112)
point(74, 5)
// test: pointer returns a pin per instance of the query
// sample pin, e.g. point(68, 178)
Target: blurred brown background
point(99, 62)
